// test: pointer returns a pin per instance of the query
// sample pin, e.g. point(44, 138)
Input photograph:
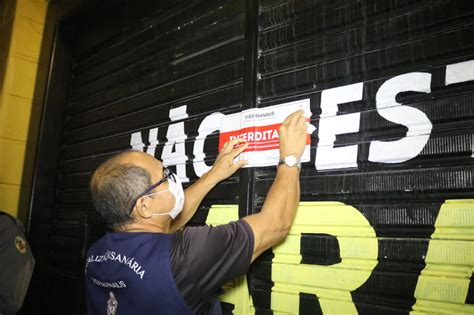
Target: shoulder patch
point(20, 244)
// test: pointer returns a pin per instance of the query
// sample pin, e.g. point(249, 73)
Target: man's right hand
point(293, 134)
point(272, 224)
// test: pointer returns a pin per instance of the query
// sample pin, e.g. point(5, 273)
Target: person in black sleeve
point(16, 264)
point(148, 264)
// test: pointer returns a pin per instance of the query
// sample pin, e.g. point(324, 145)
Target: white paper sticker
point(259, 127)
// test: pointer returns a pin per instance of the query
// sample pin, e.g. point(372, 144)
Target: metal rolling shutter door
point(368, 243)
point(131, 66)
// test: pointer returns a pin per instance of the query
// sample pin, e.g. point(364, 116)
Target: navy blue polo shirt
point(156, 273)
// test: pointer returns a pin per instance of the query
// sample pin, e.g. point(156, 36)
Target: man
point(150, 268)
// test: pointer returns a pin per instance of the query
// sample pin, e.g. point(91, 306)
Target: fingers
point(236, 151)
point(302, 124)
point(301, 120)
point(240, 164)
point(293, 118)
point(229, 145)
point(297, 121)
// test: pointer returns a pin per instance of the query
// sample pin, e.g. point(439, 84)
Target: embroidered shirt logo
point(112, 304)
point(20, 244)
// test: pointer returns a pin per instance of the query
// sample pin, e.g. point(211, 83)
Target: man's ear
point(142, 207)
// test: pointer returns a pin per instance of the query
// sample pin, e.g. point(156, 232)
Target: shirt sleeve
point(211, 256)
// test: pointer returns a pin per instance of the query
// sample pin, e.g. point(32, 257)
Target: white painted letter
point(136, 141)
point(419, 126)
point(176, 138)
point(330, 125)
point(459, 72)
point(153, 139)
point(210, 124)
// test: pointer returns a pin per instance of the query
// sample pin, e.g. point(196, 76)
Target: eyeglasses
point(167, 174)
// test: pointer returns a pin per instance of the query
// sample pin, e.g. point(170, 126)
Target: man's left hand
point(224, 165)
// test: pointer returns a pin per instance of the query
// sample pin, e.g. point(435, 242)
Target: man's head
point(118, 183)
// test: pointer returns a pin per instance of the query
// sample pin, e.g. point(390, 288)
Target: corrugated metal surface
point(135, 68)
point(187, 55)
point(385, 225)
point(339, 266)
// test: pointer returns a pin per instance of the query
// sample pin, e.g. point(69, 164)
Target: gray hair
point(115, 187)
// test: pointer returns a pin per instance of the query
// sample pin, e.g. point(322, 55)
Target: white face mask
point(176, 189)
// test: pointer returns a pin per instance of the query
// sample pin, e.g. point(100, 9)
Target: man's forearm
point(194, 195)
point(273, 222)
point(283, 198)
